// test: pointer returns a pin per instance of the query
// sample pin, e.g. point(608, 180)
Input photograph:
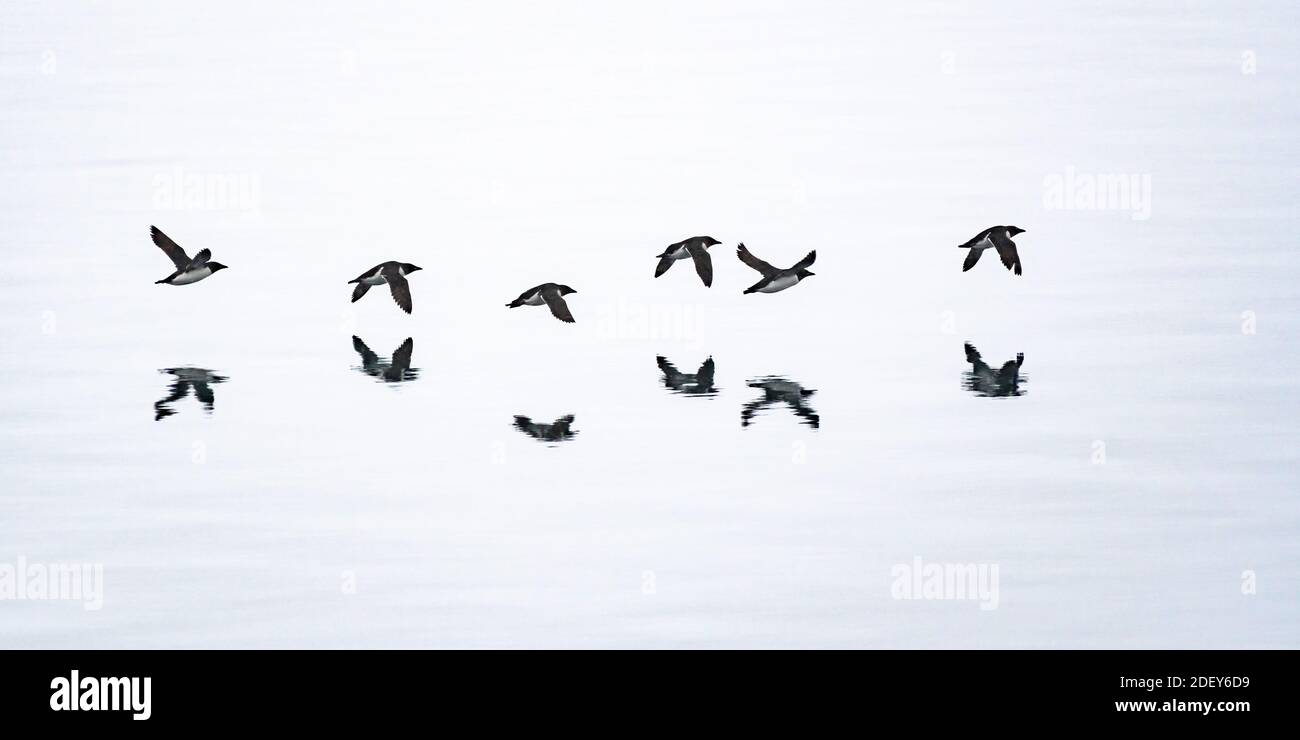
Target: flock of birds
point(394, 274)
point(982, 379)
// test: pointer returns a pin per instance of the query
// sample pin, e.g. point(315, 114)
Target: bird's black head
point(565, 290)
point(805, 273)
point(709, 241)
point(216, 266)
point(1013, 230)
point(409, 268)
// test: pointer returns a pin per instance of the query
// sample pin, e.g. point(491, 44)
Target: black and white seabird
point(983, 380)
point(698, 384)
point(697, 249)
point(775, 280)
point(997, 237)
point(557, 431)
point(552, 294)
point(187, 270)
point(185, 378)
point(394, 371)
point(780, 390)
point(393, 273)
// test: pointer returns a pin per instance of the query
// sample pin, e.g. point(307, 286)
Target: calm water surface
point(255, 461)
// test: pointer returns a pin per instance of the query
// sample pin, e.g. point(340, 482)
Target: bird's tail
point(160, 282)
point(514, 304)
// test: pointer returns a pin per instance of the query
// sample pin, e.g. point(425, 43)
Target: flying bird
point(394, 371)
point(996, 237)
point(699, 383)
point(775, 280)
point(780, 390)
point(558, 431)
point(393, 273)
point(697, 249)
point(185, 378)
point(187, 270)
point(552, 295)
point(983, 380)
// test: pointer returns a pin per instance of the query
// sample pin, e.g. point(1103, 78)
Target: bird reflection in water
point(983, 380)
point(396, 370)
point(698, 384)
point(559, 430)
point(780, 390)
point(183, 379)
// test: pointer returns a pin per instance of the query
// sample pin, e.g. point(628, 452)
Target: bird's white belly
point(681, 253)
point(984, 243)
point(536, 300)
point(193, 276)
point(374, 280)
point(780, 283)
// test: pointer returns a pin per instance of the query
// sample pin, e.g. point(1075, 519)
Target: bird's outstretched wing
point(704, 377)
point(808, 415)
point(748, 258)
point(401, 290)
point(201, 258)
point(971, 258)
point(806, 262)
point(162, 409)
point(170, 248)
point(1006, 250)
point(664, 264)
point(402, 355)
point(203, 392)
point(359, 291)
point(703, 263)
point(368, 358)
point(558, 307)
point(178, 388)
point(751, 409)
point(669, 369)
point(978, 365)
